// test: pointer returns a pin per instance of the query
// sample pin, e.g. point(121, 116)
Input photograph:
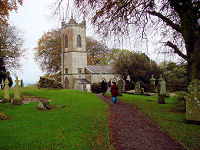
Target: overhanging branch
point(166, 20)
point(176, 50)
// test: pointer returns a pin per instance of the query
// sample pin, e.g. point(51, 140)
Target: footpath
point(130, 129)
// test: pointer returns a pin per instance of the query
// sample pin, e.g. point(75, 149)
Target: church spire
point(63, 21)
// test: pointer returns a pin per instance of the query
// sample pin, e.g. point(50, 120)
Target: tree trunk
point(195, 56)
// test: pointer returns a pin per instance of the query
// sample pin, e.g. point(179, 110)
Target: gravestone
point(120, 86)
point(22, 83)
point(152, 84)
point(44, 105)
point(6, 91)
point(159, 81)
point(193, 101)
point(161, 97)
point(162, 87)
point(137, 88)
point(17, 99)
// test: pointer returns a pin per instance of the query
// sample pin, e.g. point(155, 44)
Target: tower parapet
point(73, 23)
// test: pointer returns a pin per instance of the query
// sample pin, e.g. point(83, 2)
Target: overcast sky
point(33, 19)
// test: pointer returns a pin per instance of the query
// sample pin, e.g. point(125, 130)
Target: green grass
point(83, 124)
point(166, 119)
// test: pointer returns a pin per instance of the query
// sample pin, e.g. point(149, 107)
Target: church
point(75, 72)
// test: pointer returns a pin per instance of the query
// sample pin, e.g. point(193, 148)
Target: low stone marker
point(44, 105)
point(193, 101)
point(137, 88)
point(120, 86)
point(17, 99)
point(6, 91)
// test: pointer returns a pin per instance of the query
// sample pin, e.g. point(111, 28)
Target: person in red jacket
point(114, 92)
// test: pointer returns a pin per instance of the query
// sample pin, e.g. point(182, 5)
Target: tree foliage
point(96, 51)
point(11, 47)
point(174, 72)
point(177, 19)
point(137, 65)
point(6, 6)
point(48, 51)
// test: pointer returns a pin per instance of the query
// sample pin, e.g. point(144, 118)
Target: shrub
point(180, 101)
point(96, 87)
point(49, 83)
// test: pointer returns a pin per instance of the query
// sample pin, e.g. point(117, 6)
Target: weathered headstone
point(159, 81)
point(17, 98)
point(161, 97)
point(120, 86)
point(137, 88)
point(193, 101)
point(44, 105)
point(22, 84)
point(162, 87)
point(152, 84)
point(40, 106)
point(6, 91)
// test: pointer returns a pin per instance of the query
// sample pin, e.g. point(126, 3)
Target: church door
point(66, 83)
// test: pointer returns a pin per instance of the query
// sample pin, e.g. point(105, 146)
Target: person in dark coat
point(114, 92)
point(103, 87)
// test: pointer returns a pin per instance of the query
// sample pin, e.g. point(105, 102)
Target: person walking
point(109, 86)
point(103, 87)
point(114, 92)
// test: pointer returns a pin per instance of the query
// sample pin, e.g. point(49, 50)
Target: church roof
point(82, 80)
point(100, 69)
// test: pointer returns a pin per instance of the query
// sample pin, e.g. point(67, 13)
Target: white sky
point(33, 20)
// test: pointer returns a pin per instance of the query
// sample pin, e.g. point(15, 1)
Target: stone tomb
point(193, 101)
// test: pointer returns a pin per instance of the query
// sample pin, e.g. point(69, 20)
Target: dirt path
point(130, 129)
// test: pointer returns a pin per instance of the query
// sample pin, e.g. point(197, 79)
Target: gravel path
point(130, 129)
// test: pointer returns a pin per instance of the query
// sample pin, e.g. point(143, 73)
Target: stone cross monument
point(6, 91)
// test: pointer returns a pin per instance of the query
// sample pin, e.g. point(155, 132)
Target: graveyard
point(80, 120)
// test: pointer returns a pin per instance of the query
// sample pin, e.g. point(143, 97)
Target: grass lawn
point(166, 119)
point(83, 124)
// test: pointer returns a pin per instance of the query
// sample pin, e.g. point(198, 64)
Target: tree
point(48, 51)
point(137, 65)
point(6, 6)
point(96, 51)
point(175, 72)
point(178, 19)
point(11, 47)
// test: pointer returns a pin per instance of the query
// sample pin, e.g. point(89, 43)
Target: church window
point(78, 41)
point(66, 70)
point(66, 41)
point(79, 71)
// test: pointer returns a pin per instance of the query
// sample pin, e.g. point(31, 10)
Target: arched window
point(78, 41)
point(66, 41)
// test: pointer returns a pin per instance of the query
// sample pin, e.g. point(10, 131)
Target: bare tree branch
point(166, 20)
point(176, 50)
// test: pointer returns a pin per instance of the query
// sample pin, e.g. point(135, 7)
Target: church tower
point(73, 55)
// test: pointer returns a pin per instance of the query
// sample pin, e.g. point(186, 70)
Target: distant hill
point(28, 83)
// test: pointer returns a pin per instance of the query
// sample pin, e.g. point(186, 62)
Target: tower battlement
point(73, 23)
